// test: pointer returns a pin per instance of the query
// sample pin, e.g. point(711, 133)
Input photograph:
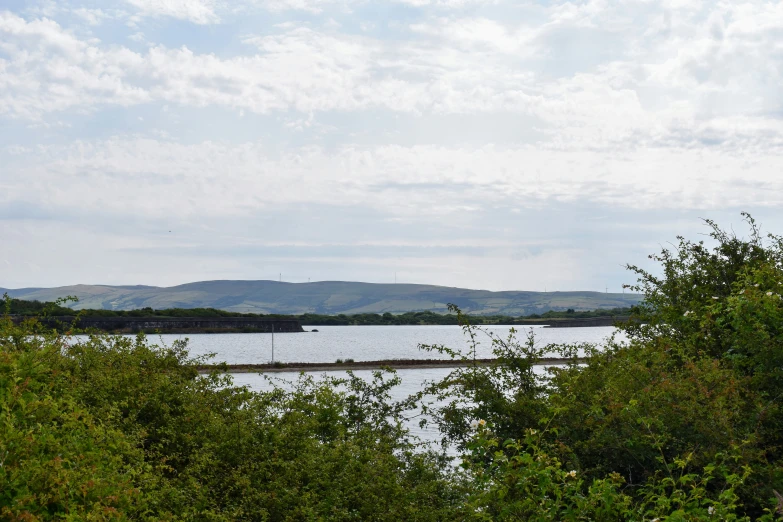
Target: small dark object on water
point(314, 330)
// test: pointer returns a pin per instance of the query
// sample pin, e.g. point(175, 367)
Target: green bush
point(57, 459)
point(114, 427)
point(687, 404)
point(524, 481)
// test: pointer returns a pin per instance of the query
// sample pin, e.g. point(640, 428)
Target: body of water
point(366, 343)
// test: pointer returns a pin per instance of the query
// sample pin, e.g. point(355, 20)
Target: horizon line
point(303, 283)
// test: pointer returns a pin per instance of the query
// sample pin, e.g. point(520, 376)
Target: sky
point(501, 145)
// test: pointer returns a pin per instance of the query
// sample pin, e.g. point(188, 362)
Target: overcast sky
point(476, 143)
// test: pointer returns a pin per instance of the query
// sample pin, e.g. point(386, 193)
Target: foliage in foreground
point(114, 427)
point(680, 419)
point(677, 419)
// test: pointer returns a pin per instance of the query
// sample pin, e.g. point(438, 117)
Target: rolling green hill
point(325, 297)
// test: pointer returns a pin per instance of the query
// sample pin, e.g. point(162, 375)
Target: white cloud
point(481, 33)
point(452, 114)
point(226, 198)
point(309, 6)
point(164, 178)
point(462, 66)
point(450, 4)
point(319, 6)
point(196, 11)
point(91, 16)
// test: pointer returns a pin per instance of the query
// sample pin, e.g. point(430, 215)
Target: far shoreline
point(592, 322)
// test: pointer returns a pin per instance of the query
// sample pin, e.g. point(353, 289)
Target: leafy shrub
point(113, 426)
point(688, 403)
point(524, 481)
point(56, 458)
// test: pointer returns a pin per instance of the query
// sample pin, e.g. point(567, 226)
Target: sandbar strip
point(397, 364)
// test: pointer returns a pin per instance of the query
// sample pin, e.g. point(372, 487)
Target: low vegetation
point(680, 421)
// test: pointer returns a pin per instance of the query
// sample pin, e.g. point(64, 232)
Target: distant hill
point(325, 297)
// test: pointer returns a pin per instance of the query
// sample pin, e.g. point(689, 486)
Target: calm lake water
point(365, 343)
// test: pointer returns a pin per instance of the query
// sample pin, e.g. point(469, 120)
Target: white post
point(273, 342)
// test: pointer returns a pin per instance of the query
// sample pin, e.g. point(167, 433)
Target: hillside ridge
point(324, 297)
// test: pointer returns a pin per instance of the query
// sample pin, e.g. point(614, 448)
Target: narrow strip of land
point(396, 364)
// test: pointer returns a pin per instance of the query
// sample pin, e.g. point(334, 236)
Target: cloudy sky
point(477, 143)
